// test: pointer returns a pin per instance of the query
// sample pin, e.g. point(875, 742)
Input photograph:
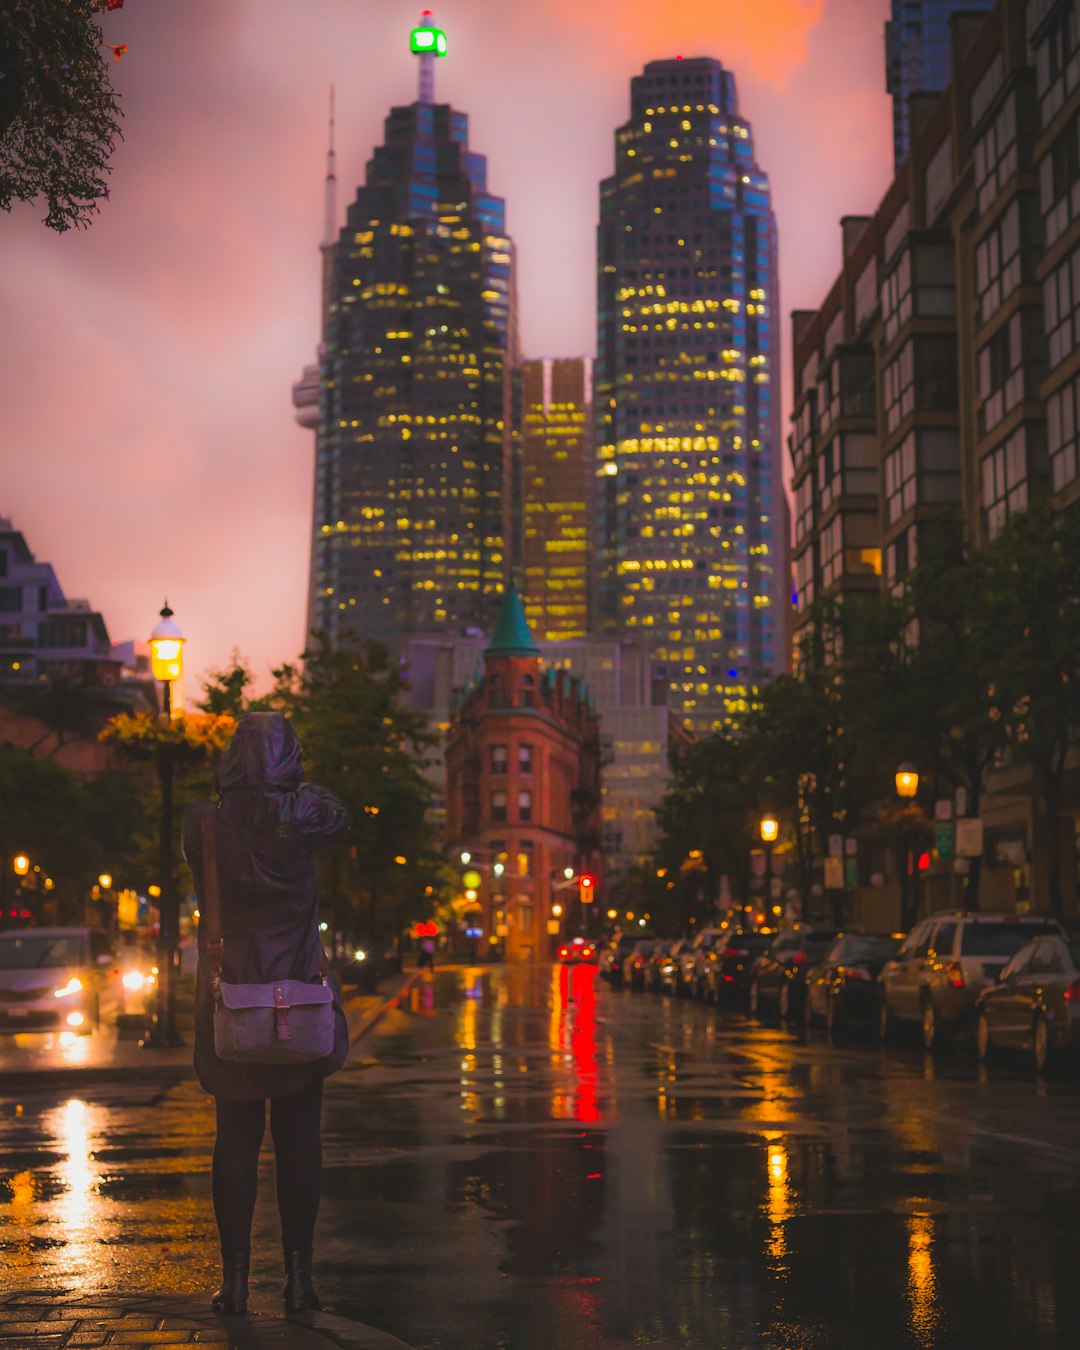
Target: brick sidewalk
point(50, 1319)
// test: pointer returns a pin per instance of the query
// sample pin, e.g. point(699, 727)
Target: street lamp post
point(769, 829)
point(907, 786)
point(166, 661)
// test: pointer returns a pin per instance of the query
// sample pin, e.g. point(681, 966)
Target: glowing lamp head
point(466, 856)
point(907, 781)
point(21, 864)
point(167, 648)
point(471, 880)
point(770, 828)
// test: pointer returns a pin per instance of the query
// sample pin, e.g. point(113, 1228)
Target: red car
point(576, 950)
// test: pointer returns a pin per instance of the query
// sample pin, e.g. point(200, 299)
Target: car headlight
point(73, 986)
point(135, 980)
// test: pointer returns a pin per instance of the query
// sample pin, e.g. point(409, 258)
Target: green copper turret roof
point(512, 636)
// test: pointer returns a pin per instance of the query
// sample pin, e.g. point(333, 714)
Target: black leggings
point(295, 1123)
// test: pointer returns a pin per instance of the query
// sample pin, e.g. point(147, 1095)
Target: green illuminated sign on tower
point(426, 41)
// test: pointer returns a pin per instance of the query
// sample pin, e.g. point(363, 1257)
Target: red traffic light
point(587, 883)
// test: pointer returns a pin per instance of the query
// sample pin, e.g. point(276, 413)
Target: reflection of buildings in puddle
point(75, 1209)
point(572, 1041)
point(780, 1205)
point(922, 1284)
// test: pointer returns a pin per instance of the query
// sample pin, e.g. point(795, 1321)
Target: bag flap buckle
point(281, 1014)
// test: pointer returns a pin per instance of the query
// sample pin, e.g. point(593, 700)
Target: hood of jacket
point(264, 753)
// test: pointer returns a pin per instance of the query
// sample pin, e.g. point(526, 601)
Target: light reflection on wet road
point(525, 1159)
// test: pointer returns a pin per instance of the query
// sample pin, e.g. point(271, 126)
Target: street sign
point(961, 801)
point(834, 874)
point(969, 837)
point(943, 839)
point(776, 887)
point(836, 845)
point(851, 873)
point(757, 863)
point(943, 809)
point(553, 927)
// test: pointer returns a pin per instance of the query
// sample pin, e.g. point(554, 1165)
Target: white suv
point(945, 963)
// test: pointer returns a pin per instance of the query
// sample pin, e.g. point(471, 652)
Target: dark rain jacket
point(270, 824)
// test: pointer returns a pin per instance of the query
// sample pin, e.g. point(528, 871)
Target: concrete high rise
point(556, 448)
point(692, 531)
point(411, 489)
point(918, 57)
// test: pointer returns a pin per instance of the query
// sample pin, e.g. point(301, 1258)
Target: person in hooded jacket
point(270, 825)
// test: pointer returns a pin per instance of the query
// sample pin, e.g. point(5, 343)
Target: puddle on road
point(535, 1161)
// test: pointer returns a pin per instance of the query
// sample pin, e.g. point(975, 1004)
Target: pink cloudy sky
point(148, 441)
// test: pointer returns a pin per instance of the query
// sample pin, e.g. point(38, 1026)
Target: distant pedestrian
point(259, 842)
point(426, 960)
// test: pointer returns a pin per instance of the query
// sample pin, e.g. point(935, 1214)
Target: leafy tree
point(709, 809)
point(367, 747)
point(1033, 570)
point(226, 691)
point(918, 670)
point(59, 115)
point(194, 741)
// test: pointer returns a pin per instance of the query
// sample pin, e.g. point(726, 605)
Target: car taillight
point(564, 951)
point(800, 958)
point(736, 951)
point(855, 973)
point(955, 973)
point(1072, 994)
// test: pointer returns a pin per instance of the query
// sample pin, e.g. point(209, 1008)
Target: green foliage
point(364, 745)
point(710, 809)
point(225, 692)
point(1033, 599)
point(69, 829)
point(59, 116)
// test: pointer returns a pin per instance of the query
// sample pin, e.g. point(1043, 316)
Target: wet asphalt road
point(510, 1169)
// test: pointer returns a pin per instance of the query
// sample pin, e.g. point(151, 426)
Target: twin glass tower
point(413, 399)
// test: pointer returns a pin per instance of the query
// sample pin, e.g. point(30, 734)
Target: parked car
point(935, 979)
point(633, 970)
point(1035, 1006)
point(613, 956)
point(578, 951)
point(731, 963)
point(667, 969)
point(56, 979)
point(694, 959)
point(778, 979)
point(658, 957)
point(842, 988)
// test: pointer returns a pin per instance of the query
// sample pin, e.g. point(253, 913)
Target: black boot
point(232, 1297)
point(299, 1294)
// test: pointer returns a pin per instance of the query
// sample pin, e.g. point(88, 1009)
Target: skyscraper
point(918, 57)
point(692, 547)
point(411, 439)
point(556, 495)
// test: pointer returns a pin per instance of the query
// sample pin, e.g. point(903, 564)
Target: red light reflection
point(577, 1028)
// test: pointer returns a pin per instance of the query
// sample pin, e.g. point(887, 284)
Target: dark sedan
point(663, 974)
point(778, 981)
point(843, 988)
point(727, 975)
point(1035, 1008)
point(633, 968)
